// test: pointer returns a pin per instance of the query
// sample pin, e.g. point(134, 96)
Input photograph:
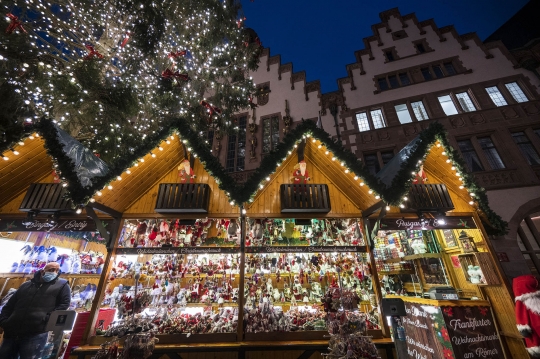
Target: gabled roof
point(431, 148)
point(391, 185)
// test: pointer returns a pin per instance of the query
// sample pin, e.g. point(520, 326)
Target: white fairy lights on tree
point(112, 72)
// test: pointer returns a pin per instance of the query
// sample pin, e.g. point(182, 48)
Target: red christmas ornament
point(14, 24)
point(126, 39)
point(92, 52)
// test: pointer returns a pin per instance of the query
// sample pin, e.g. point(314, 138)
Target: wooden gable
point(31, 165)
point(439, 171)
point(347, 197)
point(219, 205)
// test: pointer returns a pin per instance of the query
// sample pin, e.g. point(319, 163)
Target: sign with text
point(420, 326)
point(472, 332)
point(427, 223)
point(44, 225)
point(178, 250)
point(312, 249)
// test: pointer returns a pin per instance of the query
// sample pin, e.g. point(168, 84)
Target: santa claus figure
point(185, 172)
point(420, 177)
point(300, 174)
point(528, 312)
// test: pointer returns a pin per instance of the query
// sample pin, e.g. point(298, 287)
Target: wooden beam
point(306, 354)
point(240, 326)
point(102, 230)
point(100, 291)
point(372, 209)
point(105, 209)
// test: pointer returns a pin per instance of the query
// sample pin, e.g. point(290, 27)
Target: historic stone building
point(412, 72)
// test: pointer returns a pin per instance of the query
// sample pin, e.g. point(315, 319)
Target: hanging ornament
point(92, 52)
point(251, 103)
point(126, 39)
point(14, 24)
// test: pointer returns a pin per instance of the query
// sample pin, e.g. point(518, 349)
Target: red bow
point(92, 53)
point(174, 55)
point(211, 109)
point(15, 24)
point(168, 74)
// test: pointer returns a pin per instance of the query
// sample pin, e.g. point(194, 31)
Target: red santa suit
point(528, 312)
point(185, 172)
point(300, 174)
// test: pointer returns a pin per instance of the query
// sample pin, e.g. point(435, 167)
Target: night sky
point(320, 37)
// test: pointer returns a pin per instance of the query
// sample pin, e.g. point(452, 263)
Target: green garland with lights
point(392, 195)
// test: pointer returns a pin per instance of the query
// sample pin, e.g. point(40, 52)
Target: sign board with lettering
point(472, 332)
point(44, 225)
point(423, 324)
point(312, 249)
point(178, 250)
point(427, 224)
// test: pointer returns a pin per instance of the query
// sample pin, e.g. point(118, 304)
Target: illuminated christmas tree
point(111, 72)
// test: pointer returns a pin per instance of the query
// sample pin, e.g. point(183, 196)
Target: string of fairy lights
point(197, 49)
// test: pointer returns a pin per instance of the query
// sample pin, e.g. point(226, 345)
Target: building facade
point(410, 73)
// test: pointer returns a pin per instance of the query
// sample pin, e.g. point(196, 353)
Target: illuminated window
point(516, 92)
point(496, 96)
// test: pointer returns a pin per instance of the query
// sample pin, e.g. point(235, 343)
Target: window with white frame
point(363, 123)
point(448, 105)
point(516, 92)
point(378, 119)
point(403, 113)
point(465, 101)
point(419, 110)
point(496, 96)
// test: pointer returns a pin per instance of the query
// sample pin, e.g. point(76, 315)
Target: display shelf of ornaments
point(152, 233)
point(478, 268)
point(283, 291)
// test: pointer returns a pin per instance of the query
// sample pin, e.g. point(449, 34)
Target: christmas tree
point(112, 72)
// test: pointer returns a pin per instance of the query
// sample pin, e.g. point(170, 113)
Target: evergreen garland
point(241, 194)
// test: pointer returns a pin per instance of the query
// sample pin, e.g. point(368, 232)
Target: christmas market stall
point(432, 250)
point(211, 268)
point(39, 224)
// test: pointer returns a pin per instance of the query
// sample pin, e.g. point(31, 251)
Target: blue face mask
point(48, 276)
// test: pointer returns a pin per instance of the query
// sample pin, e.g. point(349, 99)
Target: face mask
point(47, 277)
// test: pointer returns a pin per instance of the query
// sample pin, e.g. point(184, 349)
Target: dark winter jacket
point(27, 311)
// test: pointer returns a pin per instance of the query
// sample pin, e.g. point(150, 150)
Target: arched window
point(529, 241)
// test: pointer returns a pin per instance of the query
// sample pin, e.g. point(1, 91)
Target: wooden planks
point(46, 197)
point(311, 198)
point(183, 198)
point(430, 198)
point(21, 170)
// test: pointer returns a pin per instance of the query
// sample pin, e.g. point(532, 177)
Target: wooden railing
point(183, 198)
point(312, 198)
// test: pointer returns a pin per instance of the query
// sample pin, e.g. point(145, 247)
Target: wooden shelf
point(409, 271)
point(393, 260)
point(422, 255)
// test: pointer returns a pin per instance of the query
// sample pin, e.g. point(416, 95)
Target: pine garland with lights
point(111, 72)
point(392, 195)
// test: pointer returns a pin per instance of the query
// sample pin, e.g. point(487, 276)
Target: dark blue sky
point(320, 36)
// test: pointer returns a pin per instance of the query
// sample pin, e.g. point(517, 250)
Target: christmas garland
point(239, 194)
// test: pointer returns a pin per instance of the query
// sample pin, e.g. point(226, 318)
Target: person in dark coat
point(26, 313)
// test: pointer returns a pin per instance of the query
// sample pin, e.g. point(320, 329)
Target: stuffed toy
point(528, 312)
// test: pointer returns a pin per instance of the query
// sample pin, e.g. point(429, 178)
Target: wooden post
point(102, 285)
point(240, 327)
point(375, 281)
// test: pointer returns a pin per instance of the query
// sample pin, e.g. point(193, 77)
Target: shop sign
point(43, 225)
point(472, 332)
point(427, 223)
point(307, 249)
point(178, 250)
point(421, 324)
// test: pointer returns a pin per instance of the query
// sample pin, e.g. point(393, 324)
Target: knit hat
point(526, 287)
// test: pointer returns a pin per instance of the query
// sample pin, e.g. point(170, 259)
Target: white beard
point(531, 301)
